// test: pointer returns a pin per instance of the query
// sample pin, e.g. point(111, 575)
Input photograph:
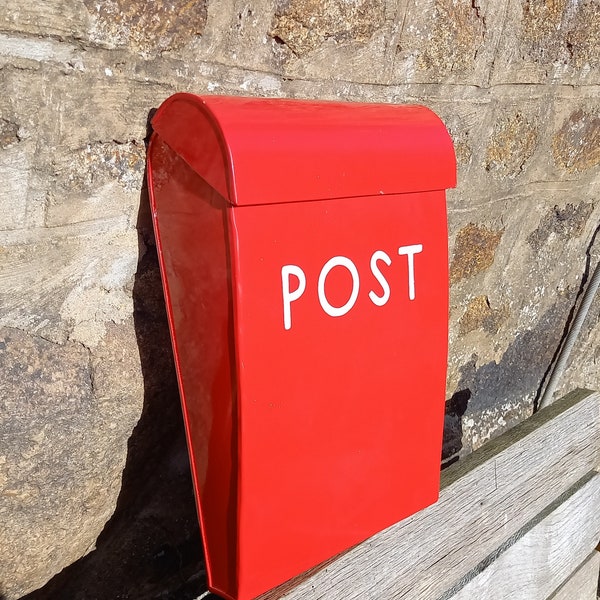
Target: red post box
point(303, 248)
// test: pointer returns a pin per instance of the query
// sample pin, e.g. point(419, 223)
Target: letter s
point(385, 286)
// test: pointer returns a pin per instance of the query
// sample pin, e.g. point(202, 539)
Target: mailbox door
point(340, 311)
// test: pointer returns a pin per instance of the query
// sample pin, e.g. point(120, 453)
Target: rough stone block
point(236, 34)
point(15, 167)
point(549, 42)
point(101, 181)
point(576, 145)
point(70, 288)
point(448, 41)
point(474, 251)
point(62, 450)
point(62, 18)
point(335, 39)
point(303, 25)
point(513, 141)
point(148, 29)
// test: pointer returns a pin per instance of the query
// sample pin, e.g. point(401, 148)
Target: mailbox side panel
point(342, 324)
point(190, 226)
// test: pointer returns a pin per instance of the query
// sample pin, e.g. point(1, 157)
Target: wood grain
point(583, 584)
point(485, 499)
point(538, 561)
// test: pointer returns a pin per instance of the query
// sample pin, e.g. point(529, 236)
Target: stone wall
point(91, 447)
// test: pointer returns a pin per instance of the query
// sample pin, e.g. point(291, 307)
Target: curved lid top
point(264, 151)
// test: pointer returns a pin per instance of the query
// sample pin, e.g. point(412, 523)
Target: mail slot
point(303, 250)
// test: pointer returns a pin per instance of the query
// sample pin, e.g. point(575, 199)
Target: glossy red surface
point(257, 151)
point(310, 334)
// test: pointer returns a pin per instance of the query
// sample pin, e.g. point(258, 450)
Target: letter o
point(338, 261)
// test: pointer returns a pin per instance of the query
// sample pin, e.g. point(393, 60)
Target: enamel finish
point(303, 250)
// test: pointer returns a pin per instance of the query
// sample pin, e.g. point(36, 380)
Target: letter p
point(288, 296)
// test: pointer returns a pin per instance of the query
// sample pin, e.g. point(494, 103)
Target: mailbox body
point(307, 297)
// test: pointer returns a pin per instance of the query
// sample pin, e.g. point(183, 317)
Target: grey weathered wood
point(485, 499)
point(583, 584)
point(540, 559)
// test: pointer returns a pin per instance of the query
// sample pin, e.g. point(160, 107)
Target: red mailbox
point(303, 248)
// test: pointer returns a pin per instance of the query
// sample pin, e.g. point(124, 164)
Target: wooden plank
point(583, 584)
point(485, 499)
point(543, 556)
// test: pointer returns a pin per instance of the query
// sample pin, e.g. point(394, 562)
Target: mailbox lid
point(268, 151)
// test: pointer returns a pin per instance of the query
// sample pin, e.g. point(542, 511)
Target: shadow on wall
point(151, 546)
point(452, 442)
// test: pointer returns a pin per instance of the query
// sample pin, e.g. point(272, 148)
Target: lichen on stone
point(541, 37)
point(480, 315)
point(561, 31)
point(458, 32)
point(583, 39)
point(576, 145)
point(566, 223)
point(512, 143)
point(302, 25)
point(147, 27)
point(474, 251)
point(463, 152)
point(108, 161)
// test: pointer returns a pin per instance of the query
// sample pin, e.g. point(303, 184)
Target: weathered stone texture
point(15, 161)
point(302, 25)
point(61, 469)
point(348, 40)
point(561, 31)
point(576, 145)
point(146, 28)
point(564, 222)
point(448, 41)
point(9, 133)
point(61, 18)
point(542, 37)
point(104, 162)
point(512, 143)
point(500, 391)
point(481, 315)
point(84, 345)
point(474, 251)
point(456, 37)
point(583, 37)
point(550, 40)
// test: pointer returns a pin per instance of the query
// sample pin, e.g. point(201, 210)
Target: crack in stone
point(34, 334)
